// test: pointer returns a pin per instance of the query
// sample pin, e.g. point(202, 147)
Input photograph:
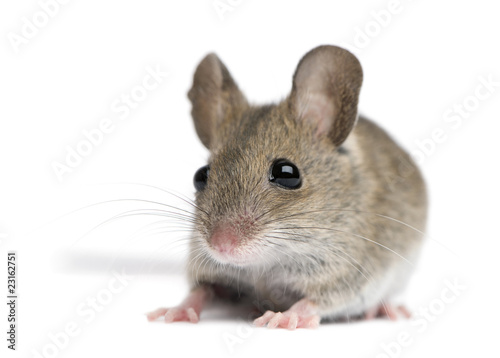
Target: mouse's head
point(273, 170)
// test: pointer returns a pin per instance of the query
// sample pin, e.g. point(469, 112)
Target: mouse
point(307, 207)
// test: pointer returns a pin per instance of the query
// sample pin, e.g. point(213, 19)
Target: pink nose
point(224, 240)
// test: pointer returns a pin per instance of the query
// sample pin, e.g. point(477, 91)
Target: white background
point(424, 59)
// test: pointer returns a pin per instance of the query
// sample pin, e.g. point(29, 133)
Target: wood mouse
point(303, 204)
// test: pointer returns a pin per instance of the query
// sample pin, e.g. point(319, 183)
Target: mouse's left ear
point(325, 91)
point(215, 99)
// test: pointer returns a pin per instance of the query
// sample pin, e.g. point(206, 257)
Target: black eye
point(200, 177)
point(285, 174)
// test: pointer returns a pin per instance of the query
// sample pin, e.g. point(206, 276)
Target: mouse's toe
point(175, 314)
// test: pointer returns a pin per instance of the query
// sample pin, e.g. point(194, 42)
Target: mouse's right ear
point(215, 98)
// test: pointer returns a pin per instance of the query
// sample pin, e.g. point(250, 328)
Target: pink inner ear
point(317, 109)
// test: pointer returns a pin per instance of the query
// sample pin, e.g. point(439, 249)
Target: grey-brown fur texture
point(348, 238)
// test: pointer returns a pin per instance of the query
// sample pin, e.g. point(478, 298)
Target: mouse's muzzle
point(235, 241)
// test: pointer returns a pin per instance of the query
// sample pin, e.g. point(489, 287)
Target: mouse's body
point(302, 205)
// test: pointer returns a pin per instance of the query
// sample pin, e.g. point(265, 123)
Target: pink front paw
point(303, 314)
point(188, 311)
point(288, 319)
point(175, 314)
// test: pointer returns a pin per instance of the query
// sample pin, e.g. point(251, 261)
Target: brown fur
point(335, 240)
